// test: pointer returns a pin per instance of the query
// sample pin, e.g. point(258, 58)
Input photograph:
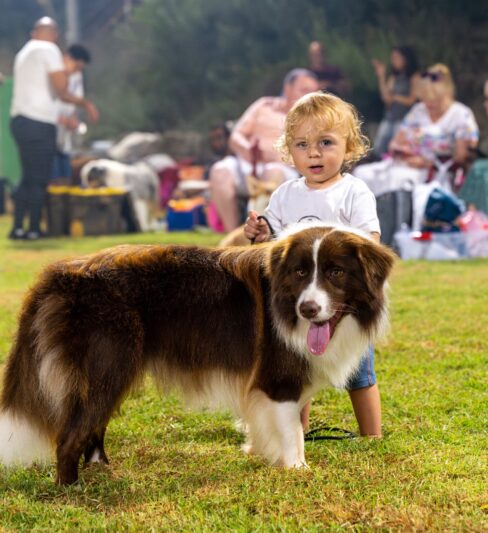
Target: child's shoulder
point(293, 184)
point(352, 183)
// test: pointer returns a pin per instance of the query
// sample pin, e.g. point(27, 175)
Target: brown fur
point(91, 327)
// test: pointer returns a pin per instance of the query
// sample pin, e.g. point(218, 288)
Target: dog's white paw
point(248, 448)
point(297, 464)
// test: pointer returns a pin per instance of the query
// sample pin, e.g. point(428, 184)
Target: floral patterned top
point(437, 140)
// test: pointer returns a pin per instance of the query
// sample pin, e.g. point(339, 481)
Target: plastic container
point(96, 211)
point(185, 214)
point(441, 246)
point(57, 211)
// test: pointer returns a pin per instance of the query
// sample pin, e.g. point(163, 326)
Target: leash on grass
point(273, 234)
point(315, 434)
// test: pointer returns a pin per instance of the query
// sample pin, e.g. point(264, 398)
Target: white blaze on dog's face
point(321, 274)
point(315, 305)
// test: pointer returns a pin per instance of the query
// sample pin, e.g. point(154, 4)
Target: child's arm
point(257, 230)
point(376, 236)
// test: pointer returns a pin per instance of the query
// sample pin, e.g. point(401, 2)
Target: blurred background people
point(218, 137)
point(398, 92)
point(437, 137)
point(437, 130)
point(330, 77)
point(474, 191)
point(252, 141)
point(39, 79)
point(75, 60)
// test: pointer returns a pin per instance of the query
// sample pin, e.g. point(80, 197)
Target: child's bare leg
point(366, 403)
point(305, 416)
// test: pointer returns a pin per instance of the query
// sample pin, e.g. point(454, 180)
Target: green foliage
point(176, 470)
point(187, 63)
point(191, 63)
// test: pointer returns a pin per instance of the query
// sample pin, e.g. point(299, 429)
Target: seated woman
point(398, 91)
point(436, 136)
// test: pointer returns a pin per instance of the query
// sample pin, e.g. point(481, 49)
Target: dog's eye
point(336, 273)
point(301, 272)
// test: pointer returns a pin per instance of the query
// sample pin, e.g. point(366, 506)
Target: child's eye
point(325, 142)
point(301, 144)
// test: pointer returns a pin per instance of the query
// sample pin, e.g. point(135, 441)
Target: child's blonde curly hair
point(328, 112)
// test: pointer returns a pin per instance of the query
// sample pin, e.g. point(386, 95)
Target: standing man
point(253, 137)
point(40, 79)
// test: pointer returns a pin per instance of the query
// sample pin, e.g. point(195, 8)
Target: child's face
point(318, 154)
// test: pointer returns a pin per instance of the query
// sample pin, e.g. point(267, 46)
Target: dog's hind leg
point(71, 442)
point(84, 432)
point(94, 451)
point(275, 430)
point(109, 362)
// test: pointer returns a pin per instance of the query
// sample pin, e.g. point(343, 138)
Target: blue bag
point(441, 212)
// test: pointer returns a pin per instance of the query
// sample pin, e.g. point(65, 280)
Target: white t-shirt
point(33, 96)
point(349, 202)
point(65, 109)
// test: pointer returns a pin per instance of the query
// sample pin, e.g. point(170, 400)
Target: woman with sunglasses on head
point(436, 137)
point(397, 91)
point(438, 128)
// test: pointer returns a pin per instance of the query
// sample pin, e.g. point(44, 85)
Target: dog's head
point(96, 177)
point(321, 274)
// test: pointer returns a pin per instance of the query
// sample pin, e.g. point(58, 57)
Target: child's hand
point(255, 229)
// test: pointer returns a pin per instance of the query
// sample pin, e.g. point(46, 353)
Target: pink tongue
point(318, 338)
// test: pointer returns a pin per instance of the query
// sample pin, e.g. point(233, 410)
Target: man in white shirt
point(40, 79)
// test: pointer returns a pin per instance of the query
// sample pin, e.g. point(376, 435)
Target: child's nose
point(313, 150)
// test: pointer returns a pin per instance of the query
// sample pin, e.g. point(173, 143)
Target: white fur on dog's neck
point(292, 229)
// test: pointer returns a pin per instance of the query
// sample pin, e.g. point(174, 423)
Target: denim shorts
point(61, 166)
point(365, 375)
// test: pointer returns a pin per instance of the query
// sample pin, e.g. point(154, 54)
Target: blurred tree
point(188, 62)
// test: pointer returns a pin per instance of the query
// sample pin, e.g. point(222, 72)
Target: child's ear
point(288, 160)
point(346, 164)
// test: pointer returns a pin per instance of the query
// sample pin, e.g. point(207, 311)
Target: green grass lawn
point(174, 470)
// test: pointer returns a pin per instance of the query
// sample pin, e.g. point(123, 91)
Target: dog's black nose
point(309, 309)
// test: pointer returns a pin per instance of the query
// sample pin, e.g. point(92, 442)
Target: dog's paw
point(298, 464)
point(248, 449)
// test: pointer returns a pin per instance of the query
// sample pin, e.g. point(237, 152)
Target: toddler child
point(322, 138)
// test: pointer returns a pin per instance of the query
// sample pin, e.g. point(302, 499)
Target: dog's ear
point(376, 261)
point(277, 256)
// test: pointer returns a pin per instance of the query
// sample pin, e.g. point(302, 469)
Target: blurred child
point(322, 137)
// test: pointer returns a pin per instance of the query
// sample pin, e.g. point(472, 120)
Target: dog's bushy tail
point(21, 442)
point(24, 437)
point(35, 384)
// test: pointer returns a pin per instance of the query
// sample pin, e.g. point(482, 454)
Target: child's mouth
point(316, 169)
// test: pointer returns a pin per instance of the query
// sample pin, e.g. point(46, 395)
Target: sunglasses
point(433, 76)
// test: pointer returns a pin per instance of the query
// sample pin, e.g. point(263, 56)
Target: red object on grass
point(422, 235)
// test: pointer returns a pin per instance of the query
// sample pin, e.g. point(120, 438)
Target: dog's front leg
point(275, 431)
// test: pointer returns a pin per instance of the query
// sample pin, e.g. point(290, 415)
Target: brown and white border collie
point(256, 329)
